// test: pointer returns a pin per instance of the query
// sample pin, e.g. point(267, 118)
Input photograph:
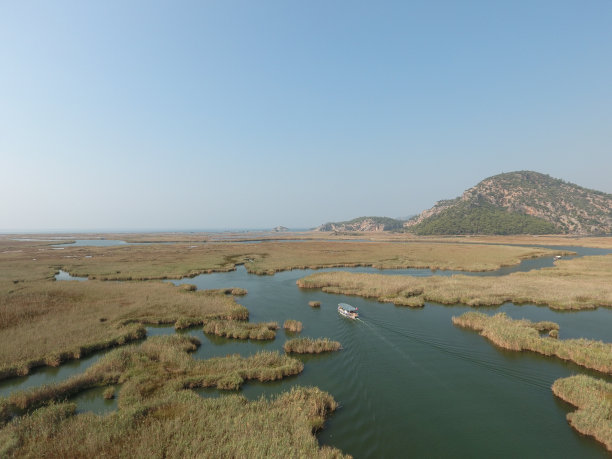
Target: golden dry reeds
point(593, 398)
point(157, 414)
point(158, 365)
point(310, 345)
point(241, 330)
point(178, 424)
point(174, 261)
point(47, 323)
point(293, 326)
point(581, 283)
point(524, 335)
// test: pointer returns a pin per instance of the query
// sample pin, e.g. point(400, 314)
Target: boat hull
point(347, 314)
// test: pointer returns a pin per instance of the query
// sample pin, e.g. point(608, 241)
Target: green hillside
point(467, 218)
point(522, 202)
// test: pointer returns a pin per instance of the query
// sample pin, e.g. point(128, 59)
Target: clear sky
point(250, 114)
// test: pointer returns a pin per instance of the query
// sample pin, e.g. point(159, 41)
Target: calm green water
point(409, 383)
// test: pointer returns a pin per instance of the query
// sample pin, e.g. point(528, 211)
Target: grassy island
point(582, 283)
point(21, 261)
point(524, 335)
point(241, 330)
point(293, 326)
point(593, 398)
point(311, 346)
point(159, 365)
point(46, 323)
point(159, 417)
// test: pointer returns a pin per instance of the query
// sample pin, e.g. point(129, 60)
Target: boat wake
point(456, 351)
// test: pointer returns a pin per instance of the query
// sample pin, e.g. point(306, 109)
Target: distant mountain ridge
point(522, 202)
point(364, 224)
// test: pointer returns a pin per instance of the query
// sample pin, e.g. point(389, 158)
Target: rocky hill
point(523, 202)
point(364, 224)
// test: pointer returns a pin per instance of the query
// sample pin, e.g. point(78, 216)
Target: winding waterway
point(409, 383)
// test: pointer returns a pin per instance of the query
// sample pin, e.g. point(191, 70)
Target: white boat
point(347, 310)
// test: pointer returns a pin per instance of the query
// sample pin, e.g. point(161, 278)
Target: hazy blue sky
point(195, 115)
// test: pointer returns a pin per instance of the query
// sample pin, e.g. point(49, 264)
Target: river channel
point(409, 383)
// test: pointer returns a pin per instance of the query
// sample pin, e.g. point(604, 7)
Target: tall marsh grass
point(593, 398)
point(293, 326)
point(162, 261)
point(78, 318)
point(178, 424)
point(582, 283)
point(159, 417)
point(241, 330)
point(310, 345)
point(523, 335)
point(159, 365)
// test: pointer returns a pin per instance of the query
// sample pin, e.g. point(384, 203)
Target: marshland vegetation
point(593, 398)
point(293, 326)
point(375, 236)
point(71, 319)
point(241, 330)
point(174, 261)
point(46, 322)
point(180, 424)
point(311, 345)
point(580, 283)
point(159, 417)
point(524, 335)
point(158, 365)
point(164, 417)
point(109, 393)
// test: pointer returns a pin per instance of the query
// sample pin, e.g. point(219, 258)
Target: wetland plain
point(405, 378)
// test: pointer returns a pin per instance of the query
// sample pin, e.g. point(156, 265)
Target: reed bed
point(314, 304)
point(157, 417)
point(5, 412)
point(524, 335)
point(313, 255)
point(293, 326)
point(311, 346)
point(593, 398)
point(241, 330)
point(178, 424)
point(582, 283)
point(47, 323)
point(175, 261)
point(160, 365)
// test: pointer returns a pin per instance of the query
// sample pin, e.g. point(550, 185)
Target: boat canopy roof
point(347, 307)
